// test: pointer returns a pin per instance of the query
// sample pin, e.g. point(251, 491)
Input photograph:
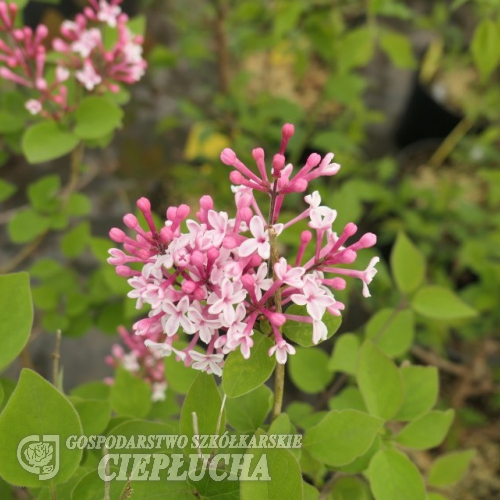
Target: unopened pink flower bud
point(125, 271)
point(117, 235)
point(276, 319)
point(189, 286)
point(183, 212)
point(130, 220)
point(228, 156)
point(206, 203)
point(171, 213)
point(278, 164)
point(144, 205)
point(236, 178)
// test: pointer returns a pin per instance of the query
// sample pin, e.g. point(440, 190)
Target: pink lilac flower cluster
point(82, 53)
point(141, 361)
point(216, 279)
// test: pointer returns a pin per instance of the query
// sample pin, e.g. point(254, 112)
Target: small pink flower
point(282, 349)
point(33, 106)
point(88, 76)
point(209, 363)
point(203, 325)
point(88, 40)
point(175, 317)
point(108, 13)
point(322, 218)
point(163, 349)
point(222, 303)
point(260, 241)
point(314, 298)
point(368, 275)
point(290, 276)
point(159, 391)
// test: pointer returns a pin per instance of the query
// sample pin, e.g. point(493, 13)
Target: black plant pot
point(424, 119)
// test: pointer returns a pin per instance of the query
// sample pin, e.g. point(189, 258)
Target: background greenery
point(405, 93)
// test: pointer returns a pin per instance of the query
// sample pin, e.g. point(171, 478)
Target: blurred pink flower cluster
point(82, 53)
point(141, 361)
point(214, 278)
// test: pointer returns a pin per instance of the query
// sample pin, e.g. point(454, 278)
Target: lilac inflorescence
point(215, 278)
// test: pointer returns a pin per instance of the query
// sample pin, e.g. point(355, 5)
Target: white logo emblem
point(39, 455)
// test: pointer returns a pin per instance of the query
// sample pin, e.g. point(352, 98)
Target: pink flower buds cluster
point(213, 277)
point(23, 55)
point(83, 46)
point(141, 361)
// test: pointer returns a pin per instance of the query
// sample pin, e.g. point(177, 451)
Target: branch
point(432, 358)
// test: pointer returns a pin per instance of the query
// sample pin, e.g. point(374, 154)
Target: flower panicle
point(213, 278)
point(23, 55)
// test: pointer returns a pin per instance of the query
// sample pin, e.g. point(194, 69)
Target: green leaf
point(349, 399)
point(342, 436)
point(6, 190)
point(180, 377)
point(42, 193)
point(137, 25)
point(302, 333)
point(135, 428)
point(421, 388)
point(26, 225)
point(130, 395)
point(10, 122)
point(203, 399)
point(75, 240)
point(393, 477)
point(398, 48)
point(436, 302)
point(94, 415)
point(207, 488)
point(91, 487)
point(92, 390)
point(427, 431)
point(242, 375)
point(379, 381)
point(485, 47)
point(8, 387)
point(356, 48)
point(435, 496)
point(248, 412)
point(392, 330)
point(310, 492)
point(16, 315)
point(97, 117)
point(2, 395)
point(37, 408)
point(407, 264)
point(78, 204)
point(362, 463)
point(308, 370)
point(350, 488)
point(47, 141)
point(345, 354)
point(284, 471)
point(450, 469)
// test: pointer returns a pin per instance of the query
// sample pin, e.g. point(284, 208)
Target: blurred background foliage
point(406, 94)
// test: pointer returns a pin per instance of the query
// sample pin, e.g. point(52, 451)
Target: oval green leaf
point(47, 141)
point(342, 436)
point(379, 381)
point(241, 375)
point(437, 302)
point(37, 408)
point(16, 315)
point(394, 477)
